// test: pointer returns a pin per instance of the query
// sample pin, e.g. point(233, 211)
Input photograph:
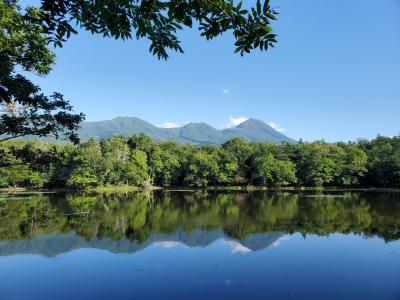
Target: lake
point(200, 245)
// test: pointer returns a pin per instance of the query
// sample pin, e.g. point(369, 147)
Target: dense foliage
point(24, 110)
point(138, 161)
point(159, 21)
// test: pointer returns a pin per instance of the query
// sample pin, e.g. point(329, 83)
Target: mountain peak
point(121, 118)
point(252, 123)
point(198, 133)
point(256, 130)
point(194, 124)
point(199, 126)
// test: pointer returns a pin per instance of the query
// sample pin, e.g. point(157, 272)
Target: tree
point(144, 143)
point(228, 166)
point(270, 171)
point(81, 179)
point(243, 151)
point(24, 110)
point(354, 166)
point(383, 161)
point(136, 170)
point(87, 166)
point(316, 164)
point(116, 154)
point(169, 172)
point(201, 168)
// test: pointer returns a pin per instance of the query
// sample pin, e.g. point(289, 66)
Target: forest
point(140, 162)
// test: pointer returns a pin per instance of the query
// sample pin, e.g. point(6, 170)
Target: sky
point(334, 75)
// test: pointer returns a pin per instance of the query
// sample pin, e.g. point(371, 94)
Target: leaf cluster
point(160, 21)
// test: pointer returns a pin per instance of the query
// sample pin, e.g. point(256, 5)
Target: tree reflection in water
point(197, 218)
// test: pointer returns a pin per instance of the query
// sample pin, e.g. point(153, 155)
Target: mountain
point(197, 133)
point(256, 131)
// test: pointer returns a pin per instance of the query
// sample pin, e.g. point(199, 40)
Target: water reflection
point(50, 224)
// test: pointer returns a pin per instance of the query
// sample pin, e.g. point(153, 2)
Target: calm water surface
point(182, 245)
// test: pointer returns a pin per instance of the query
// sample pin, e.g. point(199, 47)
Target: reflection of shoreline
point(56, 244)
point(135, 220)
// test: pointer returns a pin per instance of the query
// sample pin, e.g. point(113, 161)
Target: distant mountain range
point(197, 133)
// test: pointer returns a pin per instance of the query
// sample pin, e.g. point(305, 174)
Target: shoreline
point(126, 189)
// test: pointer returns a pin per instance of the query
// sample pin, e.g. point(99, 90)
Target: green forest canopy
point(139, 161)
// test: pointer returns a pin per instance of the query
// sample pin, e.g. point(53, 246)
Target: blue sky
point(334, 75)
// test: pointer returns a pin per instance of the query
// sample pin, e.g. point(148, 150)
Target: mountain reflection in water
point(51, 224)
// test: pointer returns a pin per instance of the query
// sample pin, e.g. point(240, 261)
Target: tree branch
point(220, 9)
point(12, 137)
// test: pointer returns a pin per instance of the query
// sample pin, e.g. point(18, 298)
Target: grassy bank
point(127, 188)
point(295, 189)
point(12, 190)
point(120, 189)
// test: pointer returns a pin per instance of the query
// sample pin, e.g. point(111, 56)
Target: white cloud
point(169, 125)
point(276, 127)
point(237, 247)
point(278, 242)
point(225, 91)
point(168, 244)
point(235, 121)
